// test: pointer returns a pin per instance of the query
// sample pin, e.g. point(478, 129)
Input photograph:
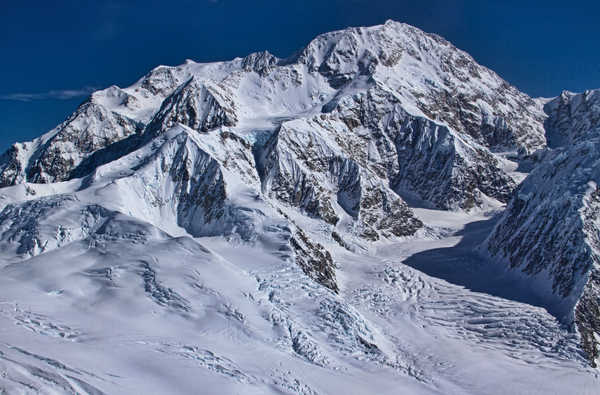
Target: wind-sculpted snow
point(242, 227)
point(26, 372)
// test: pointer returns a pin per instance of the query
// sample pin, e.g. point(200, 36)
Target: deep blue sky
point(54, 52)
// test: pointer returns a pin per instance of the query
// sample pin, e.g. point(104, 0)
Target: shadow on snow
point(462, 265)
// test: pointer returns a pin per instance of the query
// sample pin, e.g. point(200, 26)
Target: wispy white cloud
point(52, 94)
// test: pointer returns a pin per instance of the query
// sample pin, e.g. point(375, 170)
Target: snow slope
point(131, 309)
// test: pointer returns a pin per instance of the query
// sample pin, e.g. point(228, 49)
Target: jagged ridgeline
point(398, 102)
point(325, 146)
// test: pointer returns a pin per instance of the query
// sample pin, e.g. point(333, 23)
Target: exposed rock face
point(160, 81)
point(420, 157)
point(200, 106)
point(572, 117)
point(198, 187)
point(52, 157)
point(314, 260)
point(260, 62)
point(304, 166)
point(551, 230)
point(11, 165)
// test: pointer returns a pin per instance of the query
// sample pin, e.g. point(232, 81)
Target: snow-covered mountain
point(408, 100)
point(550, 230)
point(168, 233)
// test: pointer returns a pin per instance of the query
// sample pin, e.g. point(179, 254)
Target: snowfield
point(328, 223)
point(133, 310)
